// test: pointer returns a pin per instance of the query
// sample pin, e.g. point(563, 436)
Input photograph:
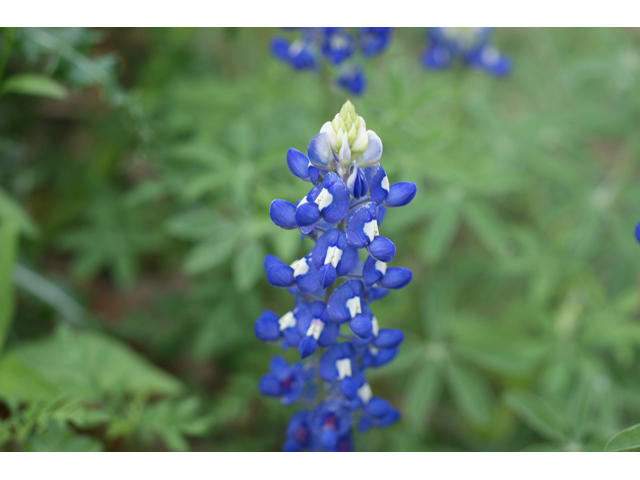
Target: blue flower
point(470, 45)
point(352, 79)
point(284, 381)
point(342, 213)
point(337, 46)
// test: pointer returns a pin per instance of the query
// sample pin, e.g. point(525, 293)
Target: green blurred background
point(136, 171)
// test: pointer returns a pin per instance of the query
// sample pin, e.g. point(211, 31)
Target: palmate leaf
point(421, 396)
point(537, 413)
point(627, 439)
point(84, 366)
point(471, 392)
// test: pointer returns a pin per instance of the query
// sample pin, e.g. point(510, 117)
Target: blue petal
point(361, 326)
point(280, 48)
point(308, 345)
point(269, 261)
point(391, 417)
point(310, 281)
point(382, 249)
point(348, 387)
point(349, 256)
point(298, 164)
point(329, 334)
point(313, 174)
point(396, 277)
point(283, 214)
point(337, 304)
point(339, 206)
point(378, 192)
point(319, 151)
point(327, 364)
point(327, 275)
point(326, 240)
point(400, 194)
point(270, 385)
point(279, 366)
point(384, 356)
point(388, 338)
point(356, 235)
point(437, 57)
point(291, 337)
point(307, 214)
point(357, 183)
point(637, 232)
point(280, 276)
point(290, 445)
point(377, 407)
point(376, 293)
point(266, 327)
point(369, 273)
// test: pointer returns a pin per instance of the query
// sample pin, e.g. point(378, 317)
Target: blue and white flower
point(342, 213)
point(470, 45)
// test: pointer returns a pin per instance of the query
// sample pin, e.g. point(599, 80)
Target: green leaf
point(498, 358)
point(471, 392)
point(90, 365)
point(627, 439)
point(440, 233)
point(18, 379)
point(9, 208)
point(537, 413)
point(33, 84)
point(422, 394)
point(247, 265)
point(206, 256)
point(486, 226)
point(8, 251)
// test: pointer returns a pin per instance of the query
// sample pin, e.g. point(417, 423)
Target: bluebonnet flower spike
point(470, 45)
point(338, 47)
point(342, 212)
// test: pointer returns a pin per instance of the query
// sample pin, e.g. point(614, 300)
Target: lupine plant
point(469, 44)
point(338, 47)
point(342, 213)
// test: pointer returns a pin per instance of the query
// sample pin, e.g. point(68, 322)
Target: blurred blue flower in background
point(469, 44)
point(342, 213)
point(337, 46)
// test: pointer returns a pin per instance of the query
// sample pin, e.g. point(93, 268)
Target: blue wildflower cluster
point(469, 44)
point(332, 325)
point(338, 46)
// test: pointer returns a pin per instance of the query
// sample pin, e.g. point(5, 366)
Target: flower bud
point(349, 139)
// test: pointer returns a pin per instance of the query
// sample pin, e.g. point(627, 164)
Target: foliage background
point(136, 170)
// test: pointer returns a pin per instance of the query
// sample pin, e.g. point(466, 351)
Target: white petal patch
point(353, 304)
point(304, 199)
point(300, 267)
point(334, 254)
point(376, 327)
point(373, 351)
point(324, 199)
point(344, 155)
point(315, 329)
point(381, 267)
point(371, 229)
point(287, 321)
point(385, 183)
point(344, 368)
point(365, 393)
